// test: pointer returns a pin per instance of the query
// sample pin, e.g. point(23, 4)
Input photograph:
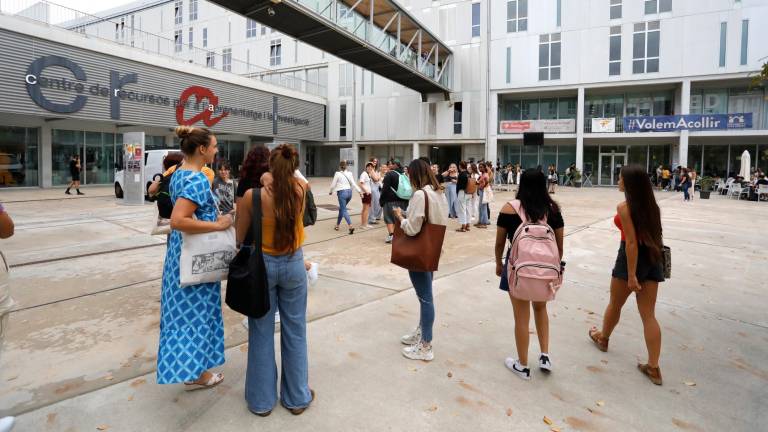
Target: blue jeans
point(686, 195)
point(483, 210)
point(422, 283)
point(344, 197)
point(376, 209)
point(287, 281)
point(450, 193)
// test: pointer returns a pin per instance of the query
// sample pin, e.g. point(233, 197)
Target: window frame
point(645, 58)
point(722, 52)
point(657, 6)
point(193, 10)
point(476, 17)
point(614, 34)
point(275, 52)
point(251, 28)
point(550, 40)
point(191, 38)
point(458, 125)
point(614, 5)
point(226, 60)
point(205, 37)
point(744, 50)
point(178, 12)
point(178, 40)
point(520, 17)
point(343, 120)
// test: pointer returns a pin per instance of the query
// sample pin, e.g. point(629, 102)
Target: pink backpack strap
point(521, 211)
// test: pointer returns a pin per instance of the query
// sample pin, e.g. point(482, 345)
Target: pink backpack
point(534, 272)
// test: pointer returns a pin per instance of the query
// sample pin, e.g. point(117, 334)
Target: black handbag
point(247, 286)
point(310, 209)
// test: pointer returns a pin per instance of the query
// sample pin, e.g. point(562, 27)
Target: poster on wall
point(693, 122)
point(603, 125)
point(546, 126)
point(133, 168)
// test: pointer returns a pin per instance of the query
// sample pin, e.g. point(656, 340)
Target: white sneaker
point(419, 352)
point(412, 338)
point(522, 371)
point(389, 239)
point(312, 274)
point(6, 424)
point(545, 364)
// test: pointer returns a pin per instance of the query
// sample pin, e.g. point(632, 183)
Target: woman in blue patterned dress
point(191, 326)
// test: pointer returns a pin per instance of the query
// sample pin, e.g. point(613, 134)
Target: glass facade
point(733, 100)
point(19, 152)
point(533, 156)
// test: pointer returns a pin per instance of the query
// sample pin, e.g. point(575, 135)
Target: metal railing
point(120, 30)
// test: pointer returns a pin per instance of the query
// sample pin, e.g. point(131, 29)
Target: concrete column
point(415, 152)
point(491, 147)
point(46, 155)
point(580, 130)
point(685, 108)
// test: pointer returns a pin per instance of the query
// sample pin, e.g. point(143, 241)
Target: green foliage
point(706, 183)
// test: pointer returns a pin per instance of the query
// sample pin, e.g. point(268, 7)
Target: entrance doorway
point(445, 155)
point(610, 167)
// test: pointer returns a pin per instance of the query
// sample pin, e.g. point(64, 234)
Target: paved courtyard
point(80, 354)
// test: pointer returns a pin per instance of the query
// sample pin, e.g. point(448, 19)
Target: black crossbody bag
point(247, 286)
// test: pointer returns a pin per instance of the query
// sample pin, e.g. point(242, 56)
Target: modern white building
point(605, 81)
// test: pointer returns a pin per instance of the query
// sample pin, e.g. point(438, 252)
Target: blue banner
point(693, 122)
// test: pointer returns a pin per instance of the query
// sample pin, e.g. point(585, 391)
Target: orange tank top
point(268, 234)
point(617, 222)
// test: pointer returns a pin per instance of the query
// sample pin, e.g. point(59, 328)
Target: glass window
point(591, 161)
point(509, 65)
point(614, 52)
point(529, 157)
point(517, 15)
point(762, 157)
point(566, 155)
point(616, 9)
point(205, 37)
point(593, 107)
point(510, 153)
point(343, 120)
point(475, 19)
point(177, 41)
point(548, 109)
point(559, 12)
point(226, 60)
point(715, 160)
point(638, 155)
point(651, 6)
point(639, 105)
point(746, 101)
point(99, 158)
point(549, 57)
point(250, 28)
point(567, 108)
point(192, 10)
point(457, 112)
point(190, 38)
point(660, 155)
point(177, 12)
point(210, 59)
point(694, 157)
point(509, 109)
point(275, 52)
point(723, 37)
point(548, 156)
point(663, 103)
point(345, 79)
point(18, 156)
point(529, 109)
point(744, 41)
point(645, 47)
point(614, 106)
point(65, 144)
point(665, 5)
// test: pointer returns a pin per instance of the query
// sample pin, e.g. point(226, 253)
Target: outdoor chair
point(762, 191)
point(734, 190)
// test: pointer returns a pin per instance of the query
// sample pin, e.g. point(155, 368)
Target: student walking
point(685, 184)
point(366, 186)
point(376, 209)
point(389, 197)
point(191, 327)
point(342, 185)
point(465, 186)
point(424, 184)
point(451, 177)
point(638, 267)
point(282, 206)
point(74, 172)
point(533, 204)
point(483, 181)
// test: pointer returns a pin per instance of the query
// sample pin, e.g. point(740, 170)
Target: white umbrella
point(745, 165)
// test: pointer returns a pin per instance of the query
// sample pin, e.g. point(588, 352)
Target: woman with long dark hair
point(282, 206)
point(638, 267)
point(533, 199)
point(424, 184)
point(255, 165)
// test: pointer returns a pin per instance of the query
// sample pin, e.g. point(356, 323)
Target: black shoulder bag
point(247, 287)
point(310, 209)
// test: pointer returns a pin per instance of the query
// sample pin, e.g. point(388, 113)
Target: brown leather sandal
point(597, 337)
point(653, 373)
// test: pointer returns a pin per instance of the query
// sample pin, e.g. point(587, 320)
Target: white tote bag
point(488, 195)
point(205, 257)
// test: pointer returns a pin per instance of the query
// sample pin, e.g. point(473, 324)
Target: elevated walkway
point(377, 35)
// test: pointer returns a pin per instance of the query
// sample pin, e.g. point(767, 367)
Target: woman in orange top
point(282, 207)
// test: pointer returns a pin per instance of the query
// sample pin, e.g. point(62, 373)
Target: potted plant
point(706, 184)
point(576, 177)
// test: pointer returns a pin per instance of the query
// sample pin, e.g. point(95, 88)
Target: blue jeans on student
point(483, 210)
point(452, 196)
point(686, 194)
point(287, 281)
point(422, 283)
point(344, 197)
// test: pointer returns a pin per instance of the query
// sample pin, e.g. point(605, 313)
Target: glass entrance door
point(610, 166)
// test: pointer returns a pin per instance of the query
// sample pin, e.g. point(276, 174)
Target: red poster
point(513, 126)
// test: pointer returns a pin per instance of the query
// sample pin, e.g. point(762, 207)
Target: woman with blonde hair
point(191, 326)
point(282, 207)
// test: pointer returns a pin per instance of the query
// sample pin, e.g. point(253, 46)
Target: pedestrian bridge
point(377, 35)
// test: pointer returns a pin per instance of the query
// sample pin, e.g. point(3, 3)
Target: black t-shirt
point(73, 167)
point(512, 222)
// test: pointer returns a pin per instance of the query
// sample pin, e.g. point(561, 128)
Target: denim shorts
point(646, 270)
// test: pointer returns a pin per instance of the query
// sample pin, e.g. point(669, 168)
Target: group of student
point(191, 328)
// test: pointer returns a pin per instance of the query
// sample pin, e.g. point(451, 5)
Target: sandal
point(299, 411)
point(214, 380)
point(461, 230)
point(653, 373)
point(336, 228)
point(597, 337)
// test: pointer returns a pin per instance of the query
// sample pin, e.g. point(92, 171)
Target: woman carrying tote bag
point(191, 326)
point(427, 217)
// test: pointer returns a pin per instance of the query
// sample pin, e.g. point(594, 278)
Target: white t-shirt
point(365, 180)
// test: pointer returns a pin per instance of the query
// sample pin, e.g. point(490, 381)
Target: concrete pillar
point(491, 147)
point(46, 155)
point(580, 130)
point(685, 108)
point(415, 152)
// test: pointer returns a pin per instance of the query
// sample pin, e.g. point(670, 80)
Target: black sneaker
point(545, 364)
point(518, 369)
point(67, 192)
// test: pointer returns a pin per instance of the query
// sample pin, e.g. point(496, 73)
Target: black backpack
point(163, 196)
